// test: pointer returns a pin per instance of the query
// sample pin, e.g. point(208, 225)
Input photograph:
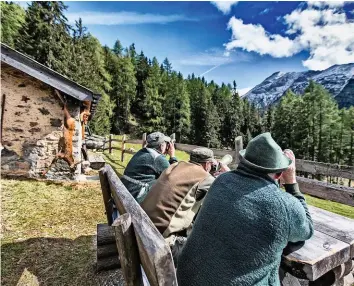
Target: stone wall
point(33, 125)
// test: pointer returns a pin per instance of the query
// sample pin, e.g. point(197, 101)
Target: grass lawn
point(49, 230)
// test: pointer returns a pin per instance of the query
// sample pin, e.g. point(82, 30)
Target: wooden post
point(238, 148)
point(104, 144)
point(106, 193)
point(144, 140)
point(128, 250)
point(110, 143)
point(173, 137)
point(3, 97)
point(123, 148)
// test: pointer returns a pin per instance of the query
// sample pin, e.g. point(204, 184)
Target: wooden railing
point(316, 188)
point(179, 146)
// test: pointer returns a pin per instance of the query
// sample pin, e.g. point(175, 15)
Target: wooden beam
point(315, 257)
point(110, 143)
point(335, 193)
point(128, 250)
point(123, 148)
point(217, 152)
point(155, 254)
point(106, 194)
point(107, 263)
point(3, 98)
point(337, 226)
point(107, 253)
point(134, 141)
point(107, 250)
point(143, 144)
point(105, 234)
point(238, 148)
point(326, 169)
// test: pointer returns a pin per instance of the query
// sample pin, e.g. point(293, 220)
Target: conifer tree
point(12, 19)
point(151, 105)
point(118, 49)
point(45, 35)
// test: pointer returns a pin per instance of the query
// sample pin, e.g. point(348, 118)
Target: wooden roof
point(41, 72)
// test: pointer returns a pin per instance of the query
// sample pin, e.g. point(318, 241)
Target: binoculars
point(226, 160)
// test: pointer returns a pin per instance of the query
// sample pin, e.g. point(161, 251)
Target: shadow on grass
point(117, 167)
point(53, 261)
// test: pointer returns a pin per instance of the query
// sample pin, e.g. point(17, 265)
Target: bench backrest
point(154, 253)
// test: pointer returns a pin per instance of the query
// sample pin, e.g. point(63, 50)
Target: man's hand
point(289, 176)
point(171, 150)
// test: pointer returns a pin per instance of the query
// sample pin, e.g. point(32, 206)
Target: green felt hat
point(265, 155)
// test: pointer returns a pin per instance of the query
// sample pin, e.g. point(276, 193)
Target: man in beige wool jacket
point(176, 197)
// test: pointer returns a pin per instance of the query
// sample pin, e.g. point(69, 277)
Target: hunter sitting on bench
point(175, 199)
point(147, 165)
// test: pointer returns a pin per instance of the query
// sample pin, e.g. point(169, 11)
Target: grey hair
point(155, 145)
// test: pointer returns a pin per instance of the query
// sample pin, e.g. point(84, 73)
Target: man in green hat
point(246, 221)
point(176, 197)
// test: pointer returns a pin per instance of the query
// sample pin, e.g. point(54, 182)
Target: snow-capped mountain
point(338, 80)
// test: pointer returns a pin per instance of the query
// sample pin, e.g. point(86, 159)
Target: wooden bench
point(142, 250)
point(322, 260)
point(328, 256)
point(96, 161)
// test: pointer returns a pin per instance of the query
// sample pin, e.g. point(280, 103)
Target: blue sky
point(226, 41)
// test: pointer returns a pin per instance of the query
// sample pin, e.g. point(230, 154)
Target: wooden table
point(327, 257)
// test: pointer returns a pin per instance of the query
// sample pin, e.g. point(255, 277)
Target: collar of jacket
point(241, 168)
point(195, 163)
point(155, 150)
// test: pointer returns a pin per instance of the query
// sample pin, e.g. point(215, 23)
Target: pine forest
point(140, 94)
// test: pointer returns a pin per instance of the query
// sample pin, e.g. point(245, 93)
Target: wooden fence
point(316, 188)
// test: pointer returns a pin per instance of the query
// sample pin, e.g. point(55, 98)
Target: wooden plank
point(143, 145)
point(123, 148)
point(105, 239)
point(217, 152)
point(128, 250)
point(106, 195)
point(334, 225)
point(110, 143)
point(105, 234)
point(134, 141)
point(107, 250)
point(3, 98)
point(326, 169)
point(318, 255)
point(107, 263)
point(96, 161)
point(155, 254)
point(120, 149)
point(238, 148)
point(327, 191)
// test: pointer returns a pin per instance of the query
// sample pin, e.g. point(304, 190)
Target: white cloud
point(124, 18)
point(243, 91)
point(253, 38)
point(325, 33)
point(324, 4)
point(224, 6)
